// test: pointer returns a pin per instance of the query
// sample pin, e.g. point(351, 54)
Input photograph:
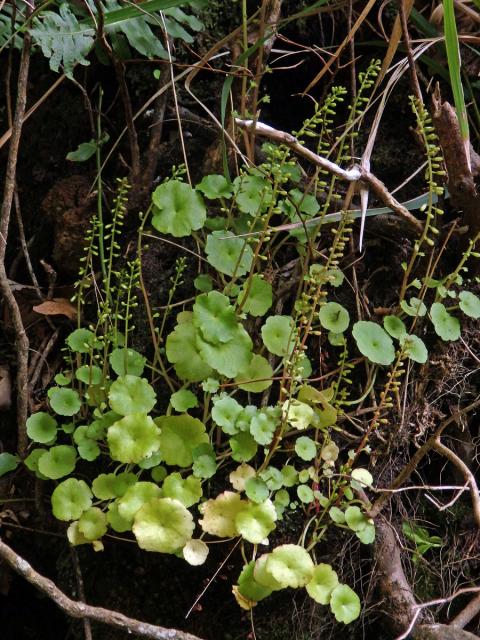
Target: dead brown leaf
point(57, 307)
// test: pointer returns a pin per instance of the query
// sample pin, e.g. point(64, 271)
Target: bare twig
point(467, 474)
point(467, 614)
point(87, 628)
point(416, 459)
point(432, 603)
point(354, 174)
point(6, 209)
point(405, 8)
point(42, 358)
point(81, 610)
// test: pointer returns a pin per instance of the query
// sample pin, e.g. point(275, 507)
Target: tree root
point(84, 611)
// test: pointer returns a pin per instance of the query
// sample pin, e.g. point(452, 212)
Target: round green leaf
point(107, 486)
point(395, 327)
point(414, 348)
point(70, 499)
point(256, 489)
point(215, 186)
point(259, 296)
point(204, 466)
point(278, 335)
point(41, 427)
point(249, 587)
point(256, 521)
point(31, 461)
point(215, 317)
point(263, 576)
point(163, 525)
point(290, 565)
point(183, 352)
point(252, 193)
point(367, 535)
point(345, 604)
point(355, 519)
point(179, 209)
point(373, 342)
point(203, 283)
point(362, 478)
point(469, 304)
point(188, 490)
point(336, 515)
point(282, 498)
point(115, 520)
point(127, 362)
point(299, 415)
point(334, 317)
point(336, 339)
point(445, 325)
point(240, 475)
point(244, 418)
point(228, 358)
point(131, 394)
point(225, 412)
point(159, 474)
point(133, 438)
point(322, 584)
point(135, 497)
point(228, 254)
point(219, 514)
point(305, 494)
point(415, 307)
point(81, 340)
point(262, 427)
point(58, 462)
point(306, 448)
point(151, 461)
point(273, 478)
point(93, 523)
point(243, 447)
point(179, 435)
point(89, 374)
point(65, 402)
point(183, 400)
point(9, 462)
point(257, 376)
point(88, 450)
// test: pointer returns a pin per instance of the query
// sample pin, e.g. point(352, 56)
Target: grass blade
point(136, 11)
point(454, 64)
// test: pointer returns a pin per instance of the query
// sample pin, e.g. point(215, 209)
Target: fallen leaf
point(57, 307)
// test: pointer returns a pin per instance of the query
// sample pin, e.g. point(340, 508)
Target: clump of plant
point(237, 365)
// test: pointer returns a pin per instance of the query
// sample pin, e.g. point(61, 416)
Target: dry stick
point(16, 198)
point(24, 245)
point(467, 474)
point(152, 155)
point(8, 134)
point(87, 628)
point(415, 460)
point(393, 43)
point(21, 338)
point(405, 8)
point(361, 18)
point(35, 374)
point(119, 69)
point(354, 174)
point(467, 614)
point(432, 603)
point(81, 610)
